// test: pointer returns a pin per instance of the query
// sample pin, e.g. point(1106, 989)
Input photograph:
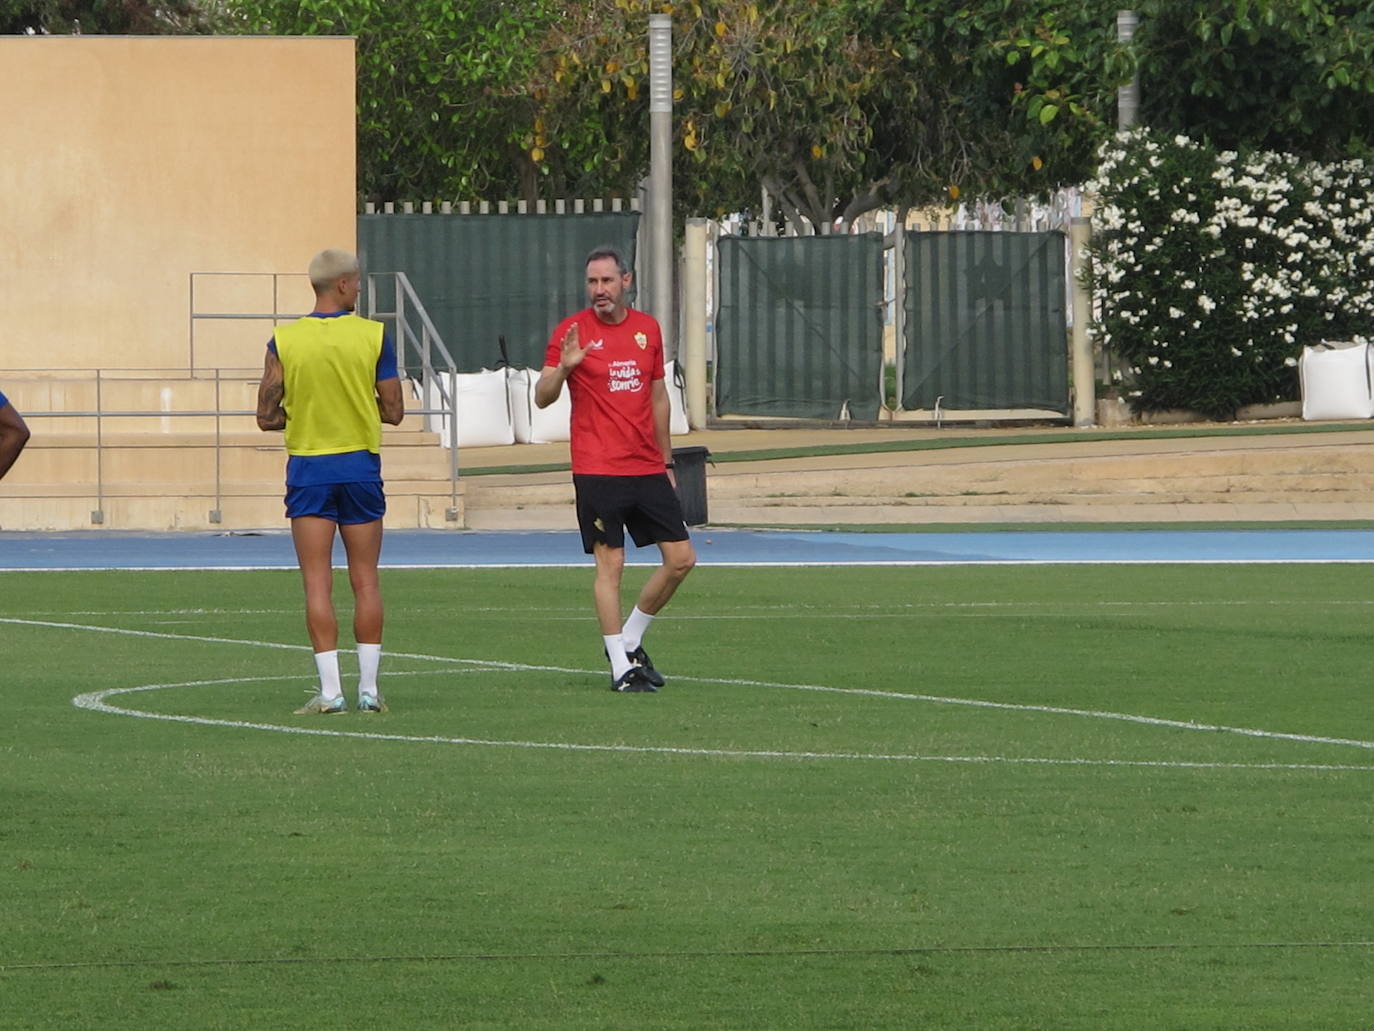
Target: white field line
point(96, 702)
point(488, 664)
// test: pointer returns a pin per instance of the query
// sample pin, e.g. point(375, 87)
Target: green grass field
point(868, 798)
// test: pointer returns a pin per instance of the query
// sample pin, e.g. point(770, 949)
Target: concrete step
point(197, 511)
point(1285, 478)
point(1123, 511)
point(192, 459)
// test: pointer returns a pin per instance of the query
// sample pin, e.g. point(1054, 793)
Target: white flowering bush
point(1211, 270)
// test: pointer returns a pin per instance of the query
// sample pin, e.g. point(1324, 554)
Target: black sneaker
point(641, 659)
point(633, 680)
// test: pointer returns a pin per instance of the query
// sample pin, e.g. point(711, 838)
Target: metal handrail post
point(424, 347)
point(400, 314)
point(429, 374)
point(403, 282)
point(191, 327)
point(98, 516)
point(452, 514)
point(217, 513)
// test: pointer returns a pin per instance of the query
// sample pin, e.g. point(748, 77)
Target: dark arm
point(271, 415)
point(14, 434)
point(391, 403)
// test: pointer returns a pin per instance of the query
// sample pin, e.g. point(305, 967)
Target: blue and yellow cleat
point(371, 702)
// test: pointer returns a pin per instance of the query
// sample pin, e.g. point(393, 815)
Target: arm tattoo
point(271, 415)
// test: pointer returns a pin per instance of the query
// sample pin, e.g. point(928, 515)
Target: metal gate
point(799, 326)
point(483, 277)
point(986, 324)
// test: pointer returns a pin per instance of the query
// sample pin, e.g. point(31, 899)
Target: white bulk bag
point(1336, 381)
point(520, 397)
point(484, 418)
point(535, 425)
point(677, 395)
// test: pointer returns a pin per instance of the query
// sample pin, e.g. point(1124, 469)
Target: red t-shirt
point(612, 413)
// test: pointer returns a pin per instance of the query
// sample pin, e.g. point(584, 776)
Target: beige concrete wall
point(129, 163)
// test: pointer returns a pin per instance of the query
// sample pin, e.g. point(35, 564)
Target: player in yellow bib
point(330, 380)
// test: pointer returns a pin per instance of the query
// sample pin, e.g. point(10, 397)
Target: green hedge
point(1211, 270)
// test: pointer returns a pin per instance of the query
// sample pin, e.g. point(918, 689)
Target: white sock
point(369, 659)
point(635, 628)
point(327, 663)
point(615, 650)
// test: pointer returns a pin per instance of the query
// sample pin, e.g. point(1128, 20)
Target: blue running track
point(464, 549)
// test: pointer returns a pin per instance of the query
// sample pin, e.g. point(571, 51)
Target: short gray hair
point(331, 265)
point(607, 251)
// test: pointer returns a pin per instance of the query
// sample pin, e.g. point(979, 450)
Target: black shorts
point(645, 505)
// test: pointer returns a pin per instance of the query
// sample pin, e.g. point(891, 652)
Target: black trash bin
point(689, 463)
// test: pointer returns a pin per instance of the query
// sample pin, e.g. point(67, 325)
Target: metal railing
point(101, 378)
point(98, 383)
point(422, 357)
point(412, 329)
point(427, 343)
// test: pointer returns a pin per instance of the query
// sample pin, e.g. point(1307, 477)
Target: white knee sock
point(636, 626)
point(369, 659)
point(327, 664)
point(615, 651)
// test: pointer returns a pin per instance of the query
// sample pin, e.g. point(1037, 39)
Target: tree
point(64, 17)
point(1277, 75)
point(773, 95)
point(442, 98)
point(834, 107)
point(1292, 76)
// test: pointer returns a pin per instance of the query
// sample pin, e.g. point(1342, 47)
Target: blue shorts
point(342, 503)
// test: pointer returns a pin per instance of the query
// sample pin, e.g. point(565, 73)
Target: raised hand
point(573, 353)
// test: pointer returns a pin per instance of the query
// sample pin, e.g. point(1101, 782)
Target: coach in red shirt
point(611, 357)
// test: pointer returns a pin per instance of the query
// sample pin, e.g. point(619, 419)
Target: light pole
point(661, 177)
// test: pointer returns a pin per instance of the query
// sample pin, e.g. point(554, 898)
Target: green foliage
point(837, 107)
point(143, 17)
point(1285, 75)
point(1213, 269)
point(443, 102)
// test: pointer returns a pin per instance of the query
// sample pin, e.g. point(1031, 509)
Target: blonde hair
point(329, 266)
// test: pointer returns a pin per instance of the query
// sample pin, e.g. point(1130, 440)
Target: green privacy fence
point(799, 326)
point(985, 321)
point(482, 277)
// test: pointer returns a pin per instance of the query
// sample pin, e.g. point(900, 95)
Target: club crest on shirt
point(642, 340)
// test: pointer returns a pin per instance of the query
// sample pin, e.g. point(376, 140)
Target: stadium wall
point(134, 162)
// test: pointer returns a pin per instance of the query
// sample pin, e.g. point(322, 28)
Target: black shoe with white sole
point(633, 680)
point(641, 659)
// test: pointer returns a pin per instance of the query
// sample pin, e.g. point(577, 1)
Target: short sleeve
point(386, 362)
